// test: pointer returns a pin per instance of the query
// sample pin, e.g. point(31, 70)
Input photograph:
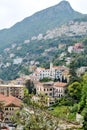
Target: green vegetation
point(63, 112)
point(30, 86)
point(45, 80)
point(37, 120)
point(44, 51)
point(74, 91)
point(75, 101)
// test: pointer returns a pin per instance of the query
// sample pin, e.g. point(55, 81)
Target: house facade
point(77, 48)
point(54, 72)
point(10, 106)
point(14, 90)
point(44, 88)
point(59, 89)
point(51, 89)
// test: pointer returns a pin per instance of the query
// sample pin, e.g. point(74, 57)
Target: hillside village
point(20, 57)
point(51, 82)
point(43, 74)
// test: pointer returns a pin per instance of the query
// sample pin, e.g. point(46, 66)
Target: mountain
point(39, 22)
point(19, 59)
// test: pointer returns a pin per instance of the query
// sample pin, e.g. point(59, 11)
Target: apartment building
point(44, 88)
point(59, 89)
point(51, 89)
point(11, 89)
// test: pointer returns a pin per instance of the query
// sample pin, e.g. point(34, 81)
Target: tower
point(51, 66)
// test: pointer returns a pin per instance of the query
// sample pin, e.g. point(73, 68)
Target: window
point(6, 113)
point(50, 89)
point(6, 119)
point(6, 108)
point(50, 94)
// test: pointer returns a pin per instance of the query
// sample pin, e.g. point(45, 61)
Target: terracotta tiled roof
point(59, 67)
point(4, 128)
point(45, 84)
point(2, 97)
point(36, 72)
point(79, 44)
point(65, 72)
point(7, 100)
point(39, 68)
point(60, 84)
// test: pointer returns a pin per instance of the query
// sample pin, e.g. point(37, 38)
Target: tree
point(84, 78)
point(30, 86)
point(85, 121)
point(85, 41)
point(73, 76)
point(45, 80)
point(37, 120)
point(74, 91)
point(83, 101)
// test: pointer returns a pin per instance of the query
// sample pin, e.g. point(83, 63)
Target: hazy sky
point(12, 11)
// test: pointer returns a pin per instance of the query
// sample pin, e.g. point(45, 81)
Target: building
point(11, 89)
point(19, 81)
point(44, 88)
point(61, 46)
point(51, 89)
point(81, 70)
point(70, 49)
point(54, 72)
point(59, 89)
point(66, 76)
point(77, 48)
point(10, 106)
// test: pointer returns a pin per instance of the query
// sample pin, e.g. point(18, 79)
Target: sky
point(13, 11)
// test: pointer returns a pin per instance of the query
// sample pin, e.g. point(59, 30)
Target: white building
point(70, 49)
point(54, 72)
point(18, 60)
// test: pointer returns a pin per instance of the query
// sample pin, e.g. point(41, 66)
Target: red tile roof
point(4, 128)
point(60, 84)
point(7, 100)
point(59, 67)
